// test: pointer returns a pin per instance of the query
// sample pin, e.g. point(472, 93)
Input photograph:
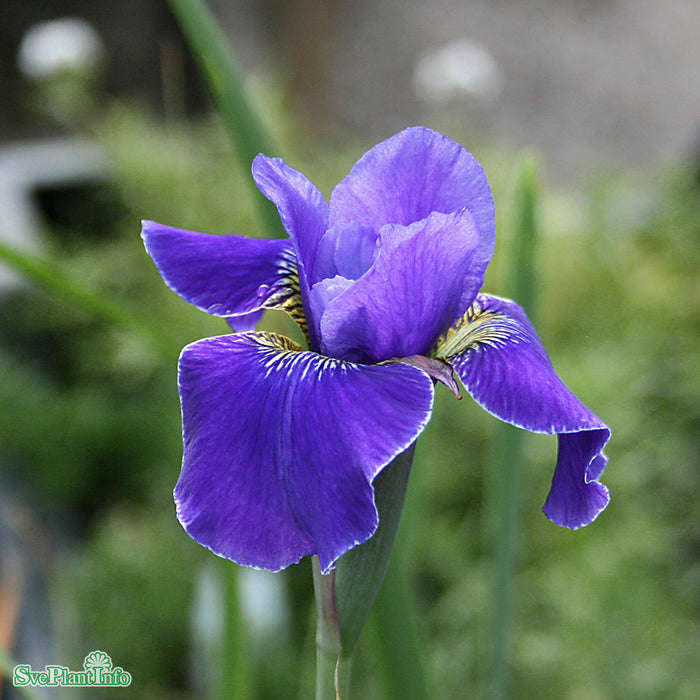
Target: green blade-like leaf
point(520, 281)
point(237, 677)
point(507, 462)
point(402, 668)
point(218, 65)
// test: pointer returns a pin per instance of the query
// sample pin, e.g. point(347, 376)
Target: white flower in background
point(67, 44)
point(459, 69)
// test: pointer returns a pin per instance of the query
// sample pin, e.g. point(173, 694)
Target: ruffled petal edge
point(281, 446)
point(504, 366)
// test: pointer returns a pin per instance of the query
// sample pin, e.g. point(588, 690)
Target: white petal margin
point(502, 363)
point(281, 446)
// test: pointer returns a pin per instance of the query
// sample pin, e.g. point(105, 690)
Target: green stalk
point(360, 572)
point(345, 597)
point(396, 637)
point(332, 666)
point(508, 460)
point(217, 62)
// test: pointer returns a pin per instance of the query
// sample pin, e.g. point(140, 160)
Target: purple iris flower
point(282, 444)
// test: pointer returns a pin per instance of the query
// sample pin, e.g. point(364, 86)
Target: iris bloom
point(282, 444)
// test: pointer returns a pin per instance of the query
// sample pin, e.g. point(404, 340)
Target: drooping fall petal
point(281, 446)
point(504, 366)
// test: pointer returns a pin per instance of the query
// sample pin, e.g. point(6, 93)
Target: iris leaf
point(218, 64)
point(402, 666)
point(508, 458)
point(237, 676)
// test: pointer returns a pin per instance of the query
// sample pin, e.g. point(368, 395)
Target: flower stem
point(345, 596)
point(332, 667)
point(359, 573)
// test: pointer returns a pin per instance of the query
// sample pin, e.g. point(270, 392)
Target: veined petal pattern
point(504, 366)
point(281, 446)
point(226, 275)
point(423, 278)
point(409, 176)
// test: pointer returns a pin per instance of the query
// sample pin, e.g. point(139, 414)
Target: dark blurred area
point(133, 45)
point(582, 81)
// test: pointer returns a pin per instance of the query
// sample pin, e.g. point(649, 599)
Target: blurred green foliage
point(90, 442)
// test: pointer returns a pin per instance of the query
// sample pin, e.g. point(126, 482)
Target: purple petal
point(245, 322)
point(281, 447)
point(410, 175)
point(424, 277)
point(348, 251)
point(223, 275)
point(577, 497)
point(504, 366)
point(325, 291)
point(302, 207)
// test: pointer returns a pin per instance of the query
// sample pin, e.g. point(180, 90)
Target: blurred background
point(105, 120)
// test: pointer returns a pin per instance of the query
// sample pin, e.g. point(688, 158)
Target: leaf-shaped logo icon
point(97, 659)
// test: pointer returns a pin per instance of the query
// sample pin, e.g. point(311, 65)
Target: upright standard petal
point(347, 250)
point(224, 275)
point(410, 175)
point(304, 214)
point(504, 366)
point(302, 207)
point(425, 275)
point(281, 446)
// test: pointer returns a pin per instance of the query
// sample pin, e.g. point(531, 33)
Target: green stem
point(345, 597)
point(332, 667)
